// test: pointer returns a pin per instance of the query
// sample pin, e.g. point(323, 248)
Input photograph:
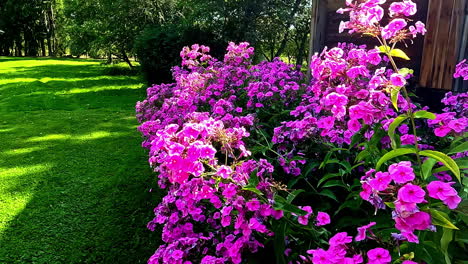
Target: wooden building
point(433, 57)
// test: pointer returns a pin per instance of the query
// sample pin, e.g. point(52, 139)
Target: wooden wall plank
point(430, 42)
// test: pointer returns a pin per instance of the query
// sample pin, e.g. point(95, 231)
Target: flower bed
point(344, 168)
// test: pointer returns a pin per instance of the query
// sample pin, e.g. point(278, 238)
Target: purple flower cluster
point(340, 251)
point(349, 90)
point(454, 119)
point(365, 17)
point(196, 131)
point(202, 129)
point(379, 190)
point(461, 70)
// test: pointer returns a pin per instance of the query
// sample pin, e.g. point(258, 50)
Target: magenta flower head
point(411, 193)
point(409, 262)
point(419, 221)
point(406, 8)
point(381, 181)
point(398, 79)
point(322, 219)
point(401, 172)
point(379, 256)
point(452, 202)
point(393, 27)
point(362, 231)
point(304, 219)
point(461, 70)
point(224, 171)
point(440, 190)
point(340, 239)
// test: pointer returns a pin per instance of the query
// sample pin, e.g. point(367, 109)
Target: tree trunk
point(109, 58)
point(313, 22)
point(49, 46)
point(125, 58)
point(43, 47)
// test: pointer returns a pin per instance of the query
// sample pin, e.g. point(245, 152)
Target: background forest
point(152, 31)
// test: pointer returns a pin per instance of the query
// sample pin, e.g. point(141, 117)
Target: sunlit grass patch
point(73, 175)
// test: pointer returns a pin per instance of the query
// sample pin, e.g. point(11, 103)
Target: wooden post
point(441, 44)
point(313, 23)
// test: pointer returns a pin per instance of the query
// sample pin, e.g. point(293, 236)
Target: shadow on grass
point(90, 202)
point(74, 184)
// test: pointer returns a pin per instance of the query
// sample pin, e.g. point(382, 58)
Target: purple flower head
point(322, 219)
point(393, 27)
point(411, 193)
point(363, 230)
point(401, 172)
point(381, 181)
point(379, 256)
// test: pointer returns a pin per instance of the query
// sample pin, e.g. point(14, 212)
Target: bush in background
point(158, 46)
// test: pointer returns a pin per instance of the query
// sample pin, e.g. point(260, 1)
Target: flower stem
point(409, 111)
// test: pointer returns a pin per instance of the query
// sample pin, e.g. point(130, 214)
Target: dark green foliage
point(158, 48)
point(120, 69)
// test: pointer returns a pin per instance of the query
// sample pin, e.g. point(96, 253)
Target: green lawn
point(74, 179)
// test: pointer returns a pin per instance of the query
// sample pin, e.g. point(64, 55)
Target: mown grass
point(74, 179)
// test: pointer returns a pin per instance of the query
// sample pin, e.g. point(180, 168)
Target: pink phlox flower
point(401, 172)
point(398, 80)
point(253, 205)
point(418, 28)
point(393, 27)
point(379, 256)
point(411, 193)
point(304, 219)
point(406, 8)
point(381, 181)
point(322, 219)
point(409, 262)
point(326, 122)
point(340, 239)
point(362, 231)
point(440, 190)
point(461, 70)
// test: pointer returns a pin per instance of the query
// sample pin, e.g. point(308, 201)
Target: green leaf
point(253, 180)
point(461, 162)
point(427, 167)
point(393, 52)
point(326, 177)
point(279, 242)
point(334, 183)
point(405, 71)
point(446, 160)
point(353, 204)
point(384, 49)
point(325, 160)
point(282, 204)
point(441, 219)
point(399, 54)
point(252, 189)
point(356, 138)
point(362, 155)
point(447, 237)
point(293, 195)
point(424, 114)
point(252, 184)
point(393, 126)
point(394, 96)
point(460, 148)
point(392, 154)
point(328, 194)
